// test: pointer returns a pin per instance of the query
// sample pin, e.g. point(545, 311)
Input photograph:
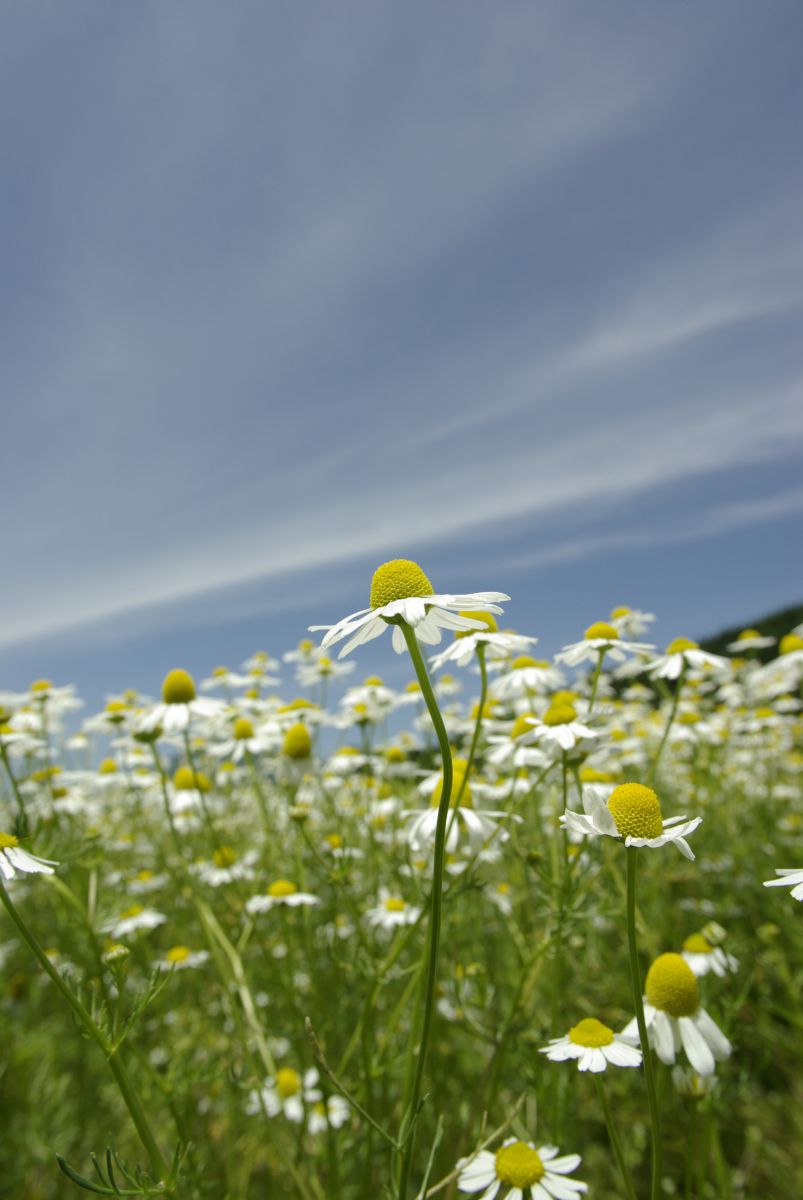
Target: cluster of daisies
point(308, 821)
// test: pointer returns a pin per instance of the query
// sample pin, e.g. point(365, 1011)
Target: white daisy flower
point(179, 705)
point(289, 1093)
point(601, 637)
point(788, 877)
point(13, 858)
point(703, 957)
point(133, 920)
point(522, 1171)
point(391, 911)
point(675, 1019)
point(243, 740)
point(750, 639)
point(180, 958)
point(495, 644)
point(400, 591)
point(321, 670)
point(560, 726)
point(526, 676)
point(280, 892)
point(478, 825)
point(681, 654)
point(631, 622)
point(630, 811)
point(329, 1114)
point(594, 1046)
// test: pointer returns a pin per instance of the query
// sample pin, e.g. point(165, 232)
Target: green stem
point(419, 1046)
point(130, 1098)
point(649, 1069)
point(613, 1134)
point(595, 680)
point(477, 724)
point(673, 710)
point(23, 817)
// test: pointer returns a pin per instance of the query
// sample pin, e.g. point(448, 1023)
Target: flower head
point(630, 811)
point(522, 1171)
point(594, 1046)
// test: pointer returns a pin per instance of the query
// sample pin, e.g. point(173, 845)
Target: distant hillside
point(773, 625)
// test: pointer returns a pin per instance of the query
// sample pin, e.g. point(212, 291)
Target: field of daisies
point(524, 928)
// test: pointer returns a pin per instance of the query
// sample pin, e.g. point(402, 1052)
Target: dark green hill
point(773, 625)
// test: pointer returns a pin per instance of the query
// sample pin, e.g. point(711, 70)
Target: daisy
point(600, 638)
point(391, 912)
point(179, 958)
point(675, 1019)
point(594, 1046)
point(631, 622)
point(134, 919)
point(703, 957)
point(560, 726)
point(681, 654)
point(527, 677)
point(631, 811)
point(280, 892)
point(320, 670)
point(329, 1114)
point(179, 705)
point(788, 877)
point(750, 639)
point(288, 1093)
point(494, 643)
point(401, 593)
point(479, 825)
point(522, 1171)
point(13, 858)
point(243, 741)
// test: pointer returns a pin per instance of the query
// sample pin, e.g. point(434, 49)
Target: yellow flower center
point(689, 718)
point(306, 646)
point(282, 887)
point(297, 741)
point(178, 687)
point(297, 704)
point(680, 644)
point(413, 686)
point(559, 714)
point(107, 767)
point(764, 712)
point(789, 643)
point(747, 635)
point(590, 1032)
point(518, 1165)
point(398, 579)
point(672, 987)
point(621, 611)
point(144, 876)
point(525, 660)
point(177, 954)
point(457, 782)
point(224, 856)
point(592, 775)
point(116, 707)
point(6, 840)
point(288, 1082)
point(41, 685)
point(243, 729)
point(219, 672)
point(395, 754)
point(697, 943)
point(334, 840)
point(187, 780)
point(636, 810)
point(394, 904)
point(486, 618)
point(601, 629)
point(522, 725)
point(133, 911)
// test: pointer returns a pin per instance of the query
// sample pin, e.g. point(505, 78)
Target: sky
point(513, 290)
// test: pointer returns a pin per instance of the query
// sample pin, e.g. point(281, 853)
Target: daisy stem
point(23, 818)
point(480, 713)
point(614, 1136)
point(84, 1018)
point(595, 680)
point(417, 1049)
point(635, 978)
point(673, 710)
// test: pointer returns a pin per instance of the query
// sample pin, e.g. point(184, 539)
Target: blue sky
point(515, 290)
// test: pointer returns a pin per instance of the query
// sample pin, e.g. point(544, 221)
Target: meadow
point(287, 931)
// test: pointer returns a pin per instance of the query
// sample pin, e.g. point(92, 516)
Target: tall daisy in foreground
point(13, 859)
point(401, 592)
point(180, 703)
point(674, 1017)
point(518, 1170)
point(630, 811)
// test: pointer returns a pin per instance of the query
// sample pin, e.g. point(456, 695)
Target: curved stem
point(477, 724)
point(613, 1134)
point(130, 1098)
point(419, 1046)
point(673, 710)
point(638, 1002)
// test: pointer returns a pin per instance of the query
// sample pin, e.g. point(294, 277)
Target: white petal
point(697, 1049)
